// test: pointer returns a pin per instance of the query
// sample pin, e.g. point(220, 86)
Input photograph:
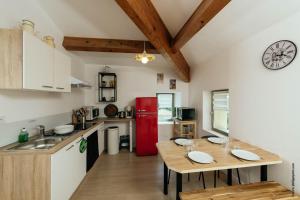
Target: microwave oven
point(185, 113)
point(92, 113)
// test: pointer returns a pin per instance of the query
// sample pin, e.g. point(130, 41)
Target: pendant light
point(144, 57)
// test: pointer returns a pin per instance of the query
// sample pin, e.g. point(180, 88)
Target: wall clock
point(279, 54)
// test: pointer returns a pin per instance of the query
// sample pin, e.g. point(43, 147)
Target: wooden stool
point(263, 190)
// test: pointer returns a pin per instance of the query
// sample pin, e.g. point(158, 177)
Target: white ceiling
point(104, 18)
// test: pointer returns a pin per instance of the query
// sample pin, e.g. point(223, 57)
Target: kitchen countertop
point(115, 119)
point(62, 144)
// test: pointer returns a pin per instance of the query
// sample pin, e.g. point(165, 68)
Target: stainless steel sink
point(39, 143)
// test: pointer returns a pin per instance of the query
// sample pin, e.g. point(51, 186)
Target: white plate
point(200, 157)
point(217, 140)
point(183, 142)
point(246, 155)
point(65, 129)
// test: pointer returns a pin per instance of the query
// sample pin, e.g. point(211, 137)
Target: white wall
point(26, 108)
point(135, 82)
point(264, 104)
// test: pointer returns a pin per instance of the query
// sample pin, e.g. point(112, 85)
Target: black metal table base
point(165, 179)
point(263, 177)
point(178, 185)
point(264, 173)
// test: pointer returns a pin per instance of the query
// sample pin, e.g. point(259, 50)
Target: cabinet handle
point(60, 88)
point(47, 86)
point(70, 147)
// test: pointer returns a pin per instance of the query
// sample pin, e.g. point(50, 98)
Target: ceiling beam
point(202, 15)
point(145, 16)
point(107, 45)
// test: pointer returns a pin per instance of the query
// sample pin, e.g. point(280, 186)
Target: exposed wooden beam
point(202, 15)
point(107, 45)
point(145, 16)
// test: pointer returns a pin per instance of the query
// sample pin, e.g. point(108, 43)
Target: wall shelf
point(107, 87)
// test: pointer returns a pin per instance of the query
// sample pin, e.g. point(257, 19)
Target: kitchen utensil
point(64, 129)
point(246, 155)
point(74, 117)
point(183, 142)
point(217, 140)
point(200, 157)
point(49, 40)
point(111, 110)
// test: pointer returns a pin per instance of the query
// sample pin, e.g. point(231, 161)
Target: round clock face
point(279, 54)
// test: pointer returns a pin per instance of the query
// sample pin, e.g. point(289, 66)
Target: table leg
point(178, 185)
point(130, 136)
point(229, 176)
point(264, 173)
point(165, 179)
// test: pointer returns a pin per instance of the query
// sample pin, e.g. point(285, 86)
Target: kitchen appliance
point(91, 113)
point(129, 112)
point(92, 152)
point(185, 113)
point(146, 126)
point(122, 114)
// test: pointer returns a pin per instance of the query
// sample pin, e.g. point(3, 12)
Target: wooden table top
point(253, 191)
point(174, 156)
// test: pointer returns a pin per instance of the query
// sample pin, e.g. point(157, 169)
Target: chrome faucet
point(41, 129)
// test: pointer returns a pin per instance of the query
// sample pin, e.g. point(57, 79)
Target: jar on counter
point(49, 40)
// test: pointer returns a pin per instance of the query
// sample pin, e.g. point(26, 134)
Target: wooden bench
point(255, 191)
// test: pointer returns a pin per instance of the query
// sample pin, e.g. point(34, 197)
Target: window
point(220, 111)
point(165, 106)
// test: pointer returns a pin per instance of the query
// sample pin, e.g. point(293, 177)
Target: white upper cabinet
point(62, 71)
point(26, 62)
point(38, 70)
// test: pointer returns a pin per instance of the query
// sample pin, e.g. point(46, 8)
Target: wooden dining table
point(175, 159)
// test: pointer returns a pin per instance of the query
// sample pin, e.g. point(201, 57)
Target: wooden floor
point(127, 177)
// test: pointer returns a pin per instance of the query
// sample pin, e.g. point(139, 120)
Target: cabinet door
point(62, 72)
point(101, 139)
point(79, 165)
point(38, 70)
point(61, 173)
point(68, 168)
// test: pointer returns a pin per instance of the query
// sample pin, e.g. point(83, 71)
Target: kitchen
point(215, 67)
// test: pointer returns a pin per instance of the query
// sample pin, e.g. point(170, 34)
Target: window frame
point(212, 112)
point(173, 105)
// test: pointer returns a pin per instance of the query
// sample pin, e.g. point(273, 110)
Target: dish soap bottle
point(23, 136)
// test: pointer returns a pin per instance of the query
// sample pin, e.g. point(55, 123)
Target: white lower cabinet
point(68, 168)
point(101, 139)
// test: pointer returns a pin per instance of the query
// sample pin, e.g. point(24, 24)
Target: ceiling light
point(144, 57)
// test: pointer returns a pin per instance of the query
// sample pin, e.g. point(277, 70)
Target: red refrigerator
point(146, 126)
